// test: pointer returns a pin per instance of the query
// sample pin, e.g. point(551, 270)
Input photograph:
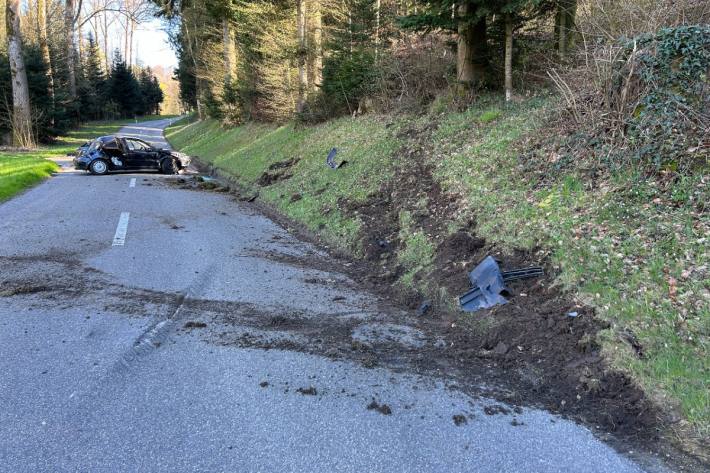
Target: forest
point(59, 68)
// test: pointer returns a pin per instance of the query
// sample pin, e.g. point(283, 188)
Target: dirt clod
point(496, 409)
point(194, 324)
point(383, 409)
point(309, 391)
point(460, 419)
point(22, 289)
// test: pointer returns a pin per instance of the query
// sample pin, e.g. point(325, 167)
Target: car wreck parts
point(489, 284)
point(330, 160)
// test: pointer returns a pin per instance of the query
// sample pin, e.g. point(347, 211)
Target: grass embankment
point(22, 169)
point(634, 251)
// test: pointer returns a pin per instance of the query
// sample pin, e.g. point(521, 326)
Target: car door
point(139, 154)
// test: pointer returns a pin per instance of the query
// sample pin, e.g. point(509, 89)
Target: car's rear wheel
point(169, 166)
point(98, 167)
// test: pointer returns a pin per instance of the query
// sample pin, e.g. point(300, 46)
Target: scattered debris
point(489, 286)
point(277, 172)
point(525, 273)
point(330, 160)
point(194, 324)
point(460, 419)
point(516, 423)
point(310, 391)
point(424, 308)
point(496, 409)
point(383, 409)
point(19, 290)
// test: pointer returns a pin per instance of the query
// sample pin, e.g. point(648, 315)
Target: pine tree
point(93, 85)
point(123, 89)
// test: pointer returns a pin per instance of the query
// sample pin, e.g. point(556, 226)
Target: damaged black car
point(118, 153)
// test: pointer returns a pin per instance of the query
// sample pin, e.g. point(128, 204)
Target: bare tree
point(508, 57)
point(70, 17)
point(229, 50)
point(302, 53)
point(21, 115)
point(44, 48)
point(316, 51)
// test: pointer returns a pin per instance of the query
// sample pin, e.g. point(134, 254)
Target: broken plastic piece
point(525, 273)
point(572, 314)
point(488, 285)
point(330, 160)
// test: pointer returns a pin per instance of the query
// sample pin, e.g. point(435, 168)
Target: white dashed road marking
point(133, 182)
point(120, 237)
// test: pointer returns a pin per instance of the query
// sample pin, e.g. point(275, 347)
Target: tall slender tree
point(22, 133)
point(302, 54)
point(69, 23)
point(44, 48)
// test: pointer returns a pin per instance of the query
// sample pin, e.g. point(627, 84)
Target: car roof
point(108, 138)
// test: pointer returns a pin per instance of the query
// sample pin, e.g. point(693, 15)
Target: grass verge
point(626, 245)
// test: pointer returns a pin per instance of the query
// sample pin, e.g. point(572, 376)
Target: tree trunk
point(69, 39)
point(105, 35)
point(565, 25)
point(508, 57)
point(79, 40)
point(315, 69)
point(302, 53)
point(378, 6)
point(21, 116)
point(44, 49)
point(472, 65)
point(125, 40)
point(229, 50)
point(131, 59)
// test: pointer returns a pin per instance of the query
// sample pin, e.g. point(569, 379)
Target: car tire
point(169, 166)
point(98, 167)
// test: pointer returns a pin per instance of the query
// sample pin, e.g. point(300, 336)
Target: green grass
point(20, 170)
point(636, 254)
point(616, 247)
point(247, 151)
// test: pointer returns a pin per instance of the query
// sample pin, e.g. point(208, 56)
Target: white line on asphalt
point(133, 182)
point(120, 237)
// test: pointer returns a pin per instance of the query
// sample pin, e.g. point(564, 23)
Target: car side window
point(135, 145)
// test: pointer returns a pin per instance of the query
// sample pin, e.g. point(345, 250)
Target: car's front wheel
point(169, 166)
point(98, 167)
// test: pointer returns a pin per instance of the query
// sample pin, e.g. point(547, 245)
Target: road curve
point(149, 355)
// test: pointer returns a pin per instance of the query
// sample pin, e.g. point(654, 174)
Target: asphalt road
point(98, 371)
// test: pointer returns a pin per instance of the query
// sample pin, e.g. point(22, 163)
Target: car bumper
point(81, 165)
